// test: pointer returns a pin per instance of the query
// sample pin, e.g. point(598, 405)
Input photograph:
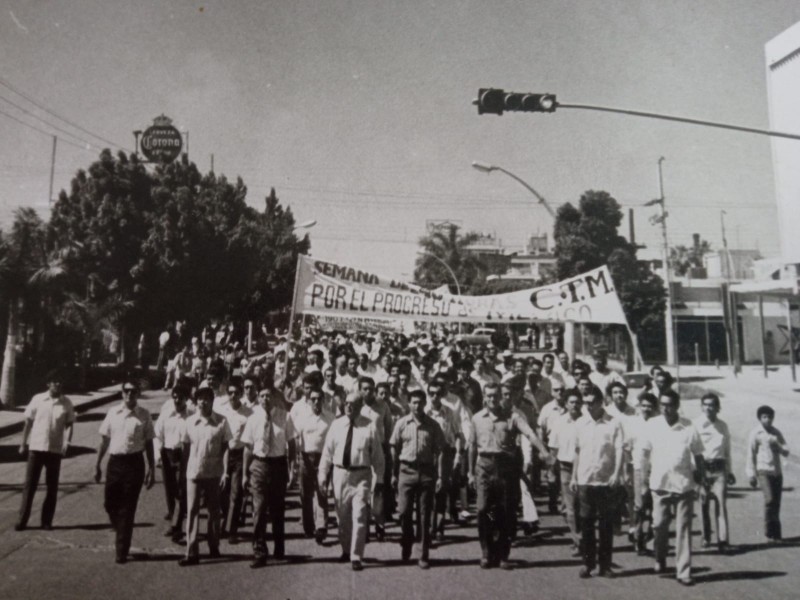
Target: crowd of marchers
point(424, 431)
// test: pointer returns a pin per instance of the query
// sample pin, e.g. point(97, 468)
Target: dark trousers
point(233, 493)
point(268, 480)
point(497, 483)
point(170, 473)
point(389, 503)
point(772, 487)
point(124, 479)
point(440, 499)
point(415, 485)
point(51, 461)
point(311, 494)
point(597, 505)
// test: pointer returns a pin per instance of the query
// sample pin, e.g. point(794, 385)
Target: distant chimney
point(696, 238)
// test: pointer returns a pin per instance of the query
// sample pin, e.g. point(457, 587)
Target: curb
point(103, 397)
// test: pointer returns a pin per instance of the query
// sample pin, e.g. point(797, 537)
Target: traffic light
point(495, 101)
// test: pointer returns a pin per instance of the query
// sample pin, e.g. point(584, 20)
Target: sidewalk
point(12, 421)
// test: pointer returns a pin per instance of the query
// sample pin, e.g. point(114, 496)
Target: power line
point(47, 133)
point(40, 106)
point(56, 127)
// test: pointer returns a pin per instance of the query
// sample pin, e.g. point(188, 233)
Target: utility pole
point(212, 163)
point(731, 328)
point(668, 317)
point(52, 170)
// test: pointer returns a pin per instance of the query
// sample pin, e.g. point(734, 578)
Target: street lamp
point(484, 168)
point(449, 270)
point(305, 225)
point(445, 265)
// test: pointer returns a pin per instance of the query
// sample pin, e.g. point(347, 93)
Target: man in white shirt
point(205, 441)
point(602, 376)
point(268, 436)
point(561, 439)
point(169, 431)
point(671, 450)
point(642, 497)
point(233, 491)
point(716, 440)
point(49, 417)
point(596, 471)
point(311, 423)
point(127, 435)
point(353, 450)
point(550, 413)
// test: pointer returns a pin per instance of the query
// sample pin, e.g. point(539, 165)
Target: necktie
point(348, 444)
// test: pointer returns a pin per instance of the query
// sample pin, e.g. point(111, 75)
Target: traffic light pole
point(640, 113)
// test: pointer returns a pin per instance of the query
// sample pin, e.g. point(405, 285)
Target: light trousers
point(351, 493)
point(663, 505)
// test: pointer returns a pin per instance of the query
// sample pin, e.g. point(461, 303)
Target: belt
point(416, 464)
point(496, 455)
point(715, 464)
point(565, 463)
point(312, 454)
point(351, 468)
point(270, 458)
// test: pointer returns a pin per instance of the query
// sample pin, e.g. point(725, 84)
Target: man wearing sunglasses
point(127, 435)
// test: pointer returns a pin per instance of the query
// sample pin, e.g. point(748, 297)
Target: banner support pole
point(292, 312)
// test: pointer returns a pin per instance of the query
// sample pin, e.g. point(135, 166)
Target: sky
point(359, 113)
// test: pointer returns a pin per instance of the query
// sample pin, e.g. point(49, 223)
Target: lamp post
point(305, 225)
point(449, 270)
point(484, 168)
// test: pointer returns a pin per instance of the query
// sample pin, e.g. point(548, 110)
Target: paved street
point(75, 559)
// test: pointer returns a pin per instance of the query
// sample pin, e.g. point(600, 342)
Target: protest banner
point(325, 288)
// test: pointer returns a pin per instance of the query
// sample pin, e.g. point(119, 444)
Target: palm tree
point(448, 246)
point(91, 318)
point(25, 268)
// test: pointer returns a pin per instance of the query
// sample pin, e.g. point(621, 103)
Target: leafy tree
point(586, 238)
point(682, 258)
point(449, 246)
point(25, 269)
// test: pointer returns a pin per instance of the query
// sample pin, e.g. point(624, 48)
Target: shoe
point(659, 567)
point(47, 526)
point(423, 564)
point(440, 536)
point(189, 561)
point(585, 573)
point(485, 563)
point(607, 573)
point(214, 553)
point(121, 560)
point(632, 537)
point(259, 562)
point(168, 516)
point(723, 547)
point(233, 539)
point(464, 515)
point(319, 536)
point(380, 533)
point(576, 552)
point(505, 565)
point(357, 566)
point(20, 527)
point(527, 529)
point(345, 557)
point(706, 544)
point(689, 581)
point(279, 555)
point(535, 527)
point(405, 553)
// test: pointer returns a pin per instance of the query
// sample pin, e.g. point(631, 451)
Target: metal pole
point(791, 338)
point(640, 113)
point(52, 170)
point(452, 274)
point(668, 316)
point(763, 333)
point(212, 163)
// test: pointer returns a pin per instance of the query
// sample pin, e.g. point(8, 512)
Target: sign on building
point(161, 142)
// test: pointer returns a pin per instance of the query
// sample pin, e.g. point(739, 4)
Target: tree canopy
point(449, 246)
point(586, 237)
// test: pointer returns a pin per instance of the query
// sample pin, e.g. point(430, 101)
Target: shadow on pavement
point(737, 575)
point(89, 417)
point(9, 453)
point(669, 573)
point(535, 564)
point(793, 542)
point(95, 526)
point(79, 451)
